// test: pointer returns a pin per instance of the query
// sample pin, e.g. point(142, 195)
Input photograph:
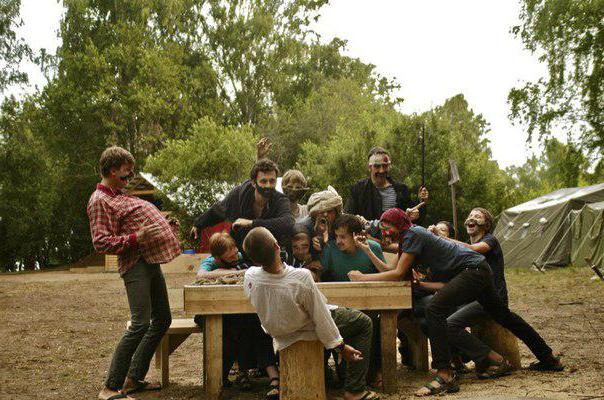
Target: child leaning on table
point(291, 308)
point(243, 338)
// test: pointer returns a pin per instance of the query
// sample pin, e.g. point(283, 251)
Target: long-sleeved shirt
point(114, 219)
point(239, 203)
point(291, 307)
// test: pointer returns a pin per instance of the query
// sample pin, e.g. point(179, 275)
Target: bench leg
point(388, 325)
point(162, 357)
point(298, 381)
point(499, 339)
point(212, 356)
point(417, 341)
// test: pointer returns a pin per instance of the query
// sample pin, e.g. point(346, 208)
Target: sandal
point(553, 364)
point(444, 387)
point(273, 392)
point(243, 382)
point(497, 370)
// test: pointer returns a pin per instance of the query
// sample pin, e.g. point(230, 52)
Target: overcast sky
point(435, 48)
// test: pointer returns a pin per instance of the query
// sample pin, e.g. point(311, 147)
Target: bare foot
point(107, 393)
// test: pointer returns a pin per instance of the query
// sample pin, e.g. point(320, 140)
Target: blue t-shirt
point(337, 264)
point(209, 264)
point(444, 258)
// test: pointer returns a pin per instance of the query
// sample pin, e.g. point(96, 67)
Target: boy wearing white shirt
point(291, 308)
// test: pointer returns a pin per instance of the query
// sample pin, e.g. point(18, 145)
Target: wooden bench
point(298, 381)
point(179, 331)
point(488, 331)
point(499, 339)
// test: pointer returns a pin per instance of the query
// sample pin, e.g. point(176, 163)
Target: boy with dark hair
point(291, 308)
point(136, 231)
point(342, 255)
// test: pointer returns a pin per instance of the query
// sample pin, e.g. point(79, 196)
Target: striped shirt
point(388, 197)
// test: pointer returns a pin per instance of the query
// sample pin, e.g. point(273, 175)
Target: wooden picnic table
point(214, 301)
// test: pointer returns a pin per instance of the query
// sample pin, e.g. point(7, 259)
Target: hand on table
point(242, 223)
point(355, 276)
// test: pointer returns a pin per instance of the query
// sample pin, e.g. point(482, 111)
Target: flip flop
point(118, 396)
point(121, 396)
point(143, 386)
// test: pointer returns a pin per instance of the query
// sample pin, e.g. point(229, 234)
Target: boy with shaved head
point(291, 308)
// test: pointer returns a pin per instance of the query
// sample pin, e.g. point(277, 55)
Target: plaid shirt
point(114, 219)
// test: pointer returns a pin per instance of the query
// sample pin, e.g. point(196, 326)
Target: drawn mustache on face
point(471, 222)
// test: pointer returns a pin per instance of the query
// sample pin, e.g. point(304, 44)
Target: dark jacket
point(365, 199)
point(239, 203)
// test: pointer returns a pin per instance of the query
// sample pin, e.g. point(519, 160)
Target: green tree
point(569, 37)
point(198, 170)
point(452, 131)
point(127, 73)
point(265, 55)
point(27, 197)
point(13, 49)
point(559, 166)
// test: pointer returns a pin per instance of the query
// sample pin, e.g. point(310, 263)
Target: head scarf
point(324, 201)
point(397, 218)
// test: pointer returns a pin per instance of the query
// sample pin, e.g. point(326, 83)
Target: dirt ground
point(59, 330)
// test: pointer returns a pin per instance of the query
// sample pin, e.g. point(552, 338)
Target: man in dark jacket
point(254, 203)
point(371, 196)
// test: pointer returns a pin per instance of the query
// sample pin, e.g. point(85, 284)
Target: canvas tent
point(538, 232)
point(588, 236)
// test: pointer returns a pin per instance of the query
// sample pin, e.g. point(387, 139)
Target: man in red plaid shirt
point(135, 230)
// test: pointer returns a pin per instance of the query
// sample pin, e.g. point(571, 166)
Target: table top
point(230, 299)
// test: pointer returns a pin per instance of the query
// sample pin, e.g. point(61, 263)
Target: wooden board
point(230, 299)
point(184, 263)
point(110, 263)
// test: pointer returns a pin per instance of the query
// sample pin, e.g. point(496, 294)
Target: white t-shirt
point(291, 307)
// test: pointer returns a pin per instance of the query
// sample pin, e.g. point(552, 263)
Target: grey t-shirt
point(388, 195)
point(444, 258)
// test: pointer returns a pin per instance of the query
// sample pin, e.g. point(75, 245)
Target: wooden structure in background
point(214, 301)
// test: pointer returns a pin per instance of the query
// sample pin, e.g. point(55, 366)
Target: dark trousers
point(150, 319)
point(474, 284)
point(244, 340)
point(468, 345)
point(356, 329)
point(255, 345)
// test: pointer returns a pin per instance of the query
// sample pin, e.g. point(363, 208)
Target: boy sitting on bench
point(291, 308)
